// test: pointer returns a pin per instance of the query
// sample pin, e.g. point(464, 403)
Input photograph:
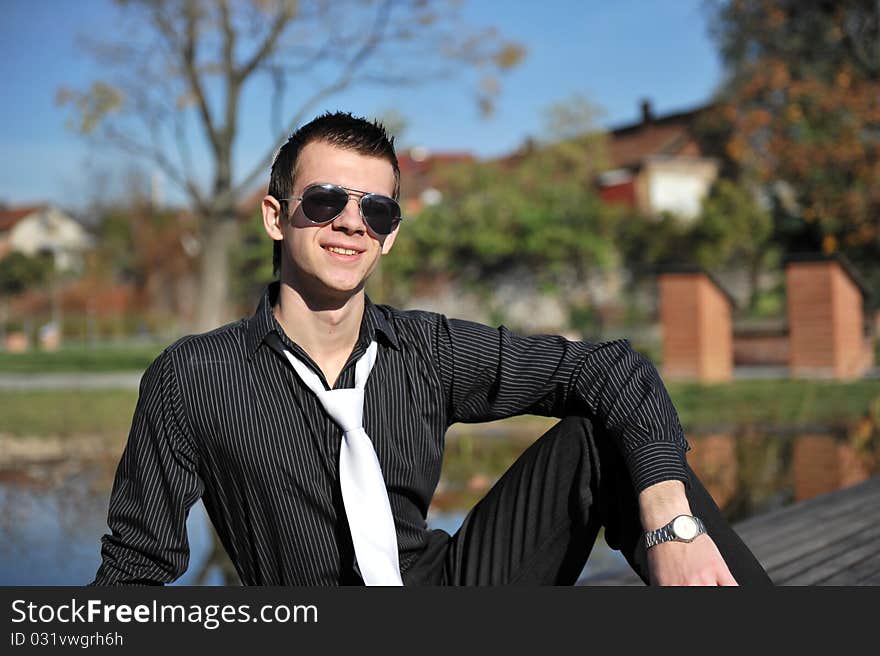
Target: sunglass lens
point(323, 204)
point(381, 212)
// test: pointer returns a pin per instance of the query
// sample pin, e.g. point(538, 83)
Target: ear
point(272, 217)
point(389, 240)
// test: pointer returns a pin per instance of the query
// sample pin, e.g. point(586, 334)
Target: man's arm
point(155, 486)
point(493, 373)
point(677, 563)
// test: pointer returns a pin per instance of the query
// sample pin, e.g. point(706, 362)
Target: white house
point(44, 229)
point(658, 165)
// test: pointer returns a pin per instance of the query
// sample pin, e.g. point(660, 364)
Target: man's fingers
point(726, 578)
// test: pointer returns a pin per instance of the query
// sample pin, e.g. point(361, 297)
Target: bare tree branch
point(223, 173)
point(229, 38)
point(279, 84)
point(183, 150)
point(342, 81)
point(281, 20)
point(308, 58)
point(188, 53)
point(128, 144)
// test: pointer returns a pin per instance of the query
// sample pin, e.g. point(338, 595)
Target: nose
point(350, 220)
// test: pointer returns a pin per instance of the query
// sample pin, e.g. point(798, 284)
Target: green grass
point(80, 358)
point(67, 412)
point(738, 404)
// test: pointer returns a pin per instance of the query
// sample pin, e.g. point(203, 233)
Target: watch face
point(685, 527)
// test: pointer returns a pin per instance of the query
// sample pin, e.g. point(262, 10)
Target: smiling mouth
point(341, 251)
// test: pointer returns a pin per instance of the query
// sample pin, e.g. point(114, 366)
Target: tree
point(20, 272)
point(251, 268)
point(733, 230)
point(192, 65)
point(532, 217)
point(801, 113)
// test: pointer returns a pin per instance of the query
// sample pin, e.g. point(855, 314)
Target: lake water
point(52, 515)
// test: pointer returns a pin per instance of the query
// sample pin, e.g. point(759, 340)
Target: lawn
point(80, 359)
point(61, 413)
point(781, 403)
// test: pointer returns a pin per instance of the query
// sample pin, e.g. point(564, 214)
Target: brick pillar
point(825, 318)
point(695, 315)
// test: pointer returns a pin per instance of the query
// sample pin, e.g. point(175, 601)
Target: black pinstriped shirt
point(224, 417)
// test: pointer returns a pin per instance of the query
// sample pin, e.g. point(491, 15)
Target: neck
point(326, 331)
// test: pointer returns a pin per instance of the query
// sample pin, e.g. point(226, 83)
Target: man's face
point(311, 259)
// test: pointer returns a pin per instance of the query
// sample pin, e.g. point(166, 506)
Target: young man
point(313, 430)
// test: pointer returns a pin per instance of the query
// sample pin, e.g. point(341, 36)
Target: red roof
point(421, 171)
point(670, 135)
point(11, 215)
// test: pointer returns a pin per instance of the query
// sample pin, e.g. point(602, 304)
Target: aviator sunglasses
point(321, 203)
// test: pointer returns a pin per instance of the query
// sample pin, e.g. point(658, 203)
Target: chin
point(343, 287)
point(324, 283)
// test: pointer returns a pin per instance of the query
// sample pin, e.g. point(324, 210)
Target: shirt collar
point(263, 322)
point(377, 322)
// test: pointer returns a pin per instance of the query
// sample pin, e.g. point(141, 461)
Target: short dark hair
point(338, 129)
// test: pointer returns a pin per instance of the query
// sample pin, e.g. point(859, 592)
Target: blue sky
point(613, 53)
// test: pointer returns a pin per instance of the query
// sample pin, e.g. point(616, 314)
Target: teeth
point(341, 251)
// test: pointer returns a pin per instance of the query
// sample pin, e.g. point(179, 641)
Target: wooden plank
point(858, 573)
point(829, 559)
point(838, 498)
point(873, 579)
point(820, 538)
point(782, 525)
point(821, 533)
point(785, 529)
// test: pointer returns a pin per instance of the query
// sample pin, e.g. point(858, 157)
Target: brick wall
point(826, 318)
point(696, 323)
point(761, 350)
point(849, 329)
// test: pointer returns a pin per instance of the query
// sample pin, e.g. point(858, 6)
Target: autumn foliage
point(801, 113)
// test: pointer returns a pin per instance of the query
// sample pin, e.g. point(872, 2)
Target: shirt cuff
point(656, 462)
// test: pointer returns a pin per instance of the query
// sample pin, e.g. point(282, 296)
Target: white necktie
point(360, 476)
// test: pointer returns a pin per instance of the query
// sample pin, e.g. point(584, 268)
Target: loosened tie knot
point(346, 406)
point(360, 475)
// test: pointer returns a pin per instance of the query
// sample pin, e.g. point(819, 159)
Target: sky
point(615, 54)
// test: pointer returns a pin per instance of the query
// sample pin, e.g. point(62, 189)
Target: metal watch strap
point(665, 533)
point(655, 537)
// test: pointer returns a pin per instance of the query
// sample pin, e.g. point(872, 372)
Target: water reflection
point(52, 514)
point(750, 473)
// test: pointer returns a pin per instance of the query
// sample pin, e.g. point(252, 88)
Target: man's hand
point(679, 563)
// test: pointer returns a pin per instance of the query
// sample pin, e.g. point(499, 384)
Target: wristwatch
point(684, 528)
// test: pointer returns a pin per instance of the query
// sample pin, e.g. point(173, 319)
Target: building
point(44, 229)
point(657, 165)
point(420, 169)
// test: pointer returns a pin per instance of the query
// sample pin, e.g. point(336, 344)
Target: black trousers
point(538, 523)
